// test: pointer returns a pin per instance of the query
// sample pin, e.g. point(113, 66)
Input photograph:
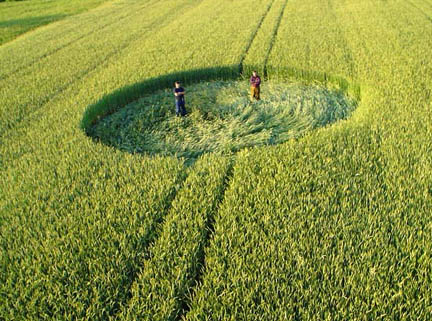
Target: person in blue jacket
point(179, 94)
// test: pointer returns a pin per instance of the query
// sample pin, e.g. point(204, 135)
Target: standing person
point(179, 94)
point(255, 82)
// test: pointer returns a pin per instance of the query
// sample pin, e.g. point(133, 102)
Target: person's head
point(177, 84)
point(254, 73)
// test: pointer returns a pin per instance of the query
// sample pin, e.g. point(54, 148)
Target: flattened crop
point(221, 118)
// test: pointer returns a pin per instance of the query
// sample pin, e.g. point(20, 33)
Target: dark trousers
point(180, 108)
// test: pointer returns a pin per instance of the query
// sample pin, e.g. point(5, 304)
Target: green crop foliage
point(332, 225)
point(175, 264)
point(79, 257)
point(261, 47)
point(19, 17)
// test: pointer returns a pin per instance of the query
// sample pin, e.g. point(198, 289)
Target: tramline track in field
point(119, 20)
point(420, 10)
point(176, 262)
point(129, 41)
point(348, 53)
point(255, 32)
point(185, 302)
point(274, 37)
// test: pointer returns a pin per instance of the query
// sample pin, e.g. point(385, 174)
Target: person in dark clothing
point(179, 94)
point(255, 82)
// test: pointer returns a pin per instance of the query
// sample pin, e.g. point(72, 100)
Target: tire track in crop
point(348, 53)
point(67, 44)
point(66, 31)
point(144, 239)
point(254, 34)
point(185, 303)
point(274, 37)
point(174, 265)
point(155, 26)
point(424, 14)
point(152, 235)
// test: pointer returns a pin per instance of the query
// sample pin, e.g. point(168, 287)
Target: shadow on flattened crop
point(120, 98)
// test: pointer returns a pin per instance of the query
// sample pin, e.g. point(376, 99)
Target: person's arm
point(258, 81)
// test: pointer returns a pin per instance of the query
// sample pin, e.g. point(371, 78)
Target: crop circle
point(221, 118)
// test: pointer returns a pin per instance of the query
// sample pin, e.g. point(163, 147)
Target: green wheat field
point(314, 203)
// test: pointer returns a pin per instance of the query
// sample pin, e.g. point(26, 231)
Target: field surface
point(333, 225)
point(18, 17)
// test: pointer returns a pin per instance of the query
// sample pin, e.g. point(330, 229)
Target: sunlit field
point(19, 17)
point(313, 203)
